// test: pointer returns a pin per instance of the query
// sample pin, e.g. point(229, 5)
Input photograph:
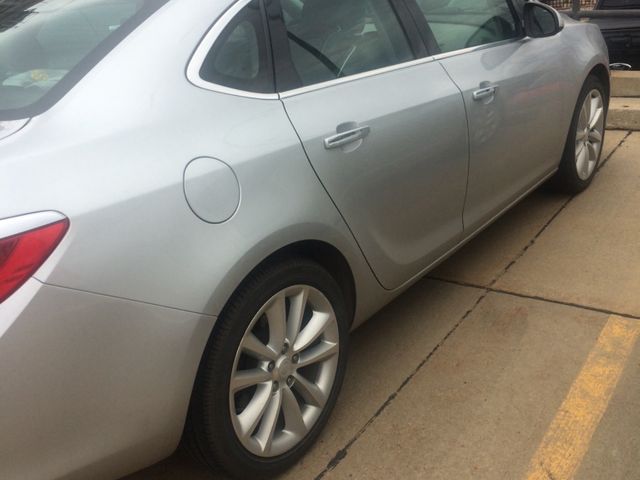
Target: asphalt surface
point(516, 359)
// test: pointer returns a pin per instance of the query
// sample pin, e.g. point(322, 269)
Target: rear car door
point(382, 124)
point(512, 88)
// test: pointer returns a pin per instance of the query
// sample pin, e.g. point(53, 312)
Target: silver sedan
point(199, 200)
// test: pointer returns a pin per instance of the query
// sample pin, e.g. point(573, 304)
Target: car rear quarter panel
point(584, 49)
point(93, 386)
point(111, 156)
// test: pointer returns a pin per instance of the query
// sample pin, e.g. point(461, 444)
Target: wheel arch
point(330, 258)
point(602, 73)
point(320, 251)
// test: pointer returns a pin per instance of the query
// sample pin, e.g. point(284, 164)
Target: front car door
point(382, 124)
point(512, 88)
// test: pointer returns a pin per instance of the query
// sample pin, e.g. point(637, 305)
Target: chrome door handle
point(485, 92)
point(345, 138)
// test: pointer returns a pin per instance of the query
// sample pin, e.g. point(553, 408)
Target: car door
point(382, 124)
point(512, 88)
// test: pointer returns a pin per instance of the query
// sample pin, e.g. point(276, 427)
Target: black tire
point(566, 179)
point(209, 433)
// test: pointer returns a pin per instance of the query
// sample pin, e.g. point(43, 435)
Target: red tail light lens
point(21, 255)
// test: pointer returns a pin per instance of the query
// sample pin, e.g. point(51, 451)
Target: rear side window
point(239, 58)
point(48, 45)
point(330, 39)
point(459, 24)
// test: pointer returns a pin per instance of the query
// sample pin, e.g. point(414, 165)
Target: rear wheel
point(586, 136)
point(272, 371)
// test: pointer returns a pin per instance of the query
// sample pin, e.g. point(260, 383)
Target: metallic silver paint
point(512, 141)
point(93, 386)
point(211, 189)
point(9, 127)
point(98, 352)
point(402, 191)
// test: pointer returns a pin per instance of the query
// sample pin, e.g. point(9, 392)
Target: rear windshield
point(46, 46)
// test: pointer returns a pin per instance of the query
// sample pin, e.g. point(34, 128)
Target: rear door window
point(330, 39)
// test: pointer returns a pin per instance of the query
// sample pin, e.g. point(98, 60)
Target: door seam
point(344, 220)
point(466, 116)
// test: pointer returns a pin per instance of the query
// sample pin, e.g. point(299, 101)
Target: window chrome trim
point(201, 52)
point(357, 76)
point(399, 66)
point(455, 53)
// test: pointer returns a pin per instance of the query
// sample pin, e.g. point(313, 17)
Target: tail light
point(21, 254)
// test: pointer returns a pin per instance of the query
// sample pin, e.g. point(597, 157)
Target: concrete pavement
point(516, 359)
point(624, 109)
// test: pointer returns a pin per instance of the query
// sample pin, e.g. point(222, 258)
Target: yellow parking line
point(569, 435)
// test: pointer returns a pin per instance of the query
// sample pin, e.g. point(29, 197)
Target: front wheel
point(272, 370)
point(584, 142)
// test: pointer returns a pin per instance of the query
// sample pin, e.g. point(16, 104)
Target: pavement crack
point(564, 205)
point(333, 463)
point(608, 157)
point(342, 453)
point(538, 298)
point(531, 243)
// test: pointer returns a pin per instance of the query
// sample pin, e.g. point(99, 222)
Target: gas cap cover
point(211, 189)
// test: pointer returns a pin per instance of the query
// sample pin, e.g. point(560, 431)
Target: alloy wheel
point(284, 371)
point(589, 134)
